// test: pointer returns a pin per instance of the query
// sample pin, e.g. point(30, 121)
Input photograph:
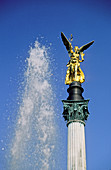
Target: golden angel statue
point(74, 72)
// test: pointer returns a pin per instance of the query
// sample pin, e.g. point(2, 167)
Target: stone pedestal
point(76, 113)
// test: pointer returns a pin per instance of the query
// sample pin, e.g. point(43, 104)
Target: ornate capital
point(75, 111)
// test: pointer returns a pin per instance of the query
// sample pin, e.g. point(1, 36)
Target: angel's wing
point(66, 42)
point(84, 47)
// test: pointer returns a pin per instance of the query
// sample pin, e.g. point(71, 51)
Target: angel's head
point(76, 49)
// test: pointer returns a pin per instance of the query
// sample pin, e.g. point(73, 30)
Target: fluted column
point(76, 113)
point(76, 158)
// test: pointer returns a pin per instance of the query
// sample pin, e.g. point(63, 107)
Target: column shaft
point(76, 147)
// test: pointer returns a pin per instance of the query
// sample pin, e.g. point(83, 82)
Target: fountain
point(35, 136)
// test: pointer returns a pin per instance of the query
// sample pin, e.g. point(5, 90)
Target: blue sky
point(22, 22)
